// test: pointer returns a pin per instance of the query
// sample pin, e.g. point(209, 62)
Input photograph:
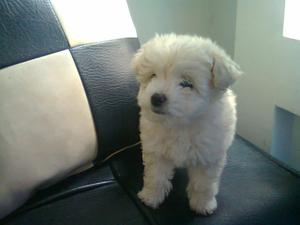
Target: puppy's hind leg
point(158, 173)
point(202, 188)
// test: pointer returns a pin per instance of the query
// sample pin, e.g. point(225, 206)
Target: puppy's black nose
point(158, 99)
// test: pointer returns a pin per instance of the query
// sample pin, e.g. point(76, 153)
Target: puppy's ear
point(224, 71)
point(139, 65)
point(136, 61)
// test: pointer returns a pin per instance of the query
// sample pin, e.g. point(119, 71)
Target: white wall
point(272, 69)
point(208, 18)
point(222, 23)
point(164, 16)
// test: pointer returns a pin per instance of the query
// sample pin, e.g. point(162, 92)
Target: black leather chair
point(255, 189)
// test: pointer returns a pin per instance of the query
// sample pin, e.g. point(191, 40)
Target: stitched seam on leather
point(106, 42)
point(87, 94)
point(59, 23)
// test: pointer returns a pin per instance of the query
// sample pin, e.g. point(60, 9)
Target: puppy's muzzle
point(157, 100)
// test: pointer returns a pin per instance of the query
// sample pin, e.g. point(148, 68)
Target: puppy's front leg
point(158, 173)
point(203, 187)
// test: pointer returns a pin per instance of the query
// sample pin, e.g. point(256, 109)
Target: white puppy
point(188, 116)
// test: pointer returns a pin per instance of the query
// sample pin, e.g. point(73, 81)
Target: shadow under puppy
point(187, 117)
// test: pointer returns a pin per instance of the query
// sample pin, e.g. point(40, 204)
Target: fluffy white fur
point(195, 126)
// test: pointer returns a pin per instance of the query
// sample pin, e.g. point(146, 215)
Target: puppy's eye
point(153, 75)
point(186, 84)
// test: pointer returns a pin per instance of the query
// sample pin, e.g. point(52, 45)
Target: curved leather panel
point(28, 29)
point(46, 126)
point(254, 190)
point(90, 21)
point(111, 88)
point(84, 180)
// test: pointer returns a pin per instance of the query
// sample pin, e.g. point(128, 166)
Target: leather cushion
point(254, 190)
point(47, 130)
point(111, 88)
point(28, 29)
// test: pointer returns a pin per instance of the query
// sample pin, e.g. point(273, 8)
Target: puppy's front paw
point(205, 208)
point(149, 198)
point(154, 197)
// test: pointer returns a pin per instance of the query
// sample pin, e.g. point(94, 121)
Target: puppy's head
point(180, 76)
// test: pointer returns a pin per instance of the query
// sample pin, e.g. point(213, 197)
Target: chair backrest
point(66, 90)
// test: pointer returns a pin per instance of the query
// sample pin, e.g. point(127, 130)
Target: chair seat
point(254, 190)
